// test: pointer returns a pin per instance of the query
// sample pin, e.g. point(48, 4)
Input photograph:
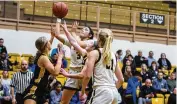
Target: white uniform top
point(76, 58)
point(104, 75)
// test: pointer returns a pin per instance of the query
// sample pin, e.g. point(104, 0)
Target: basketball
point(60, 9)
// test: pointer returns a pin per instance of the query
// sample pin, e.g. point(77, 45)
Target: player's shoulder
point(93, 53)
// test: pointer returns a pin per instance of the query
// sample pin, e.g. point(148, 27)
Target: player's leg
point(66, 96)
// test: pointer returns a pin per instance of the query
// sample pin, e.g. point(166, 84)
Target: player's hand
point(74, 26)
point(64, 26)
point(64, 72)
point(82, 92)
point(14, 101)
point(53, 32)
point(60, 53)
point(60, 46)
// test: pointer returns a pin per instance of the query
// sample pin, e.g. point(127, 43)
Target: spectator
point(165, 72)
point(133, 83)
point(75, 99)
point(2, 47)
point(54, 61)
point(5, 84)
point(54, 55)
point(146, 93)
point(145, 73)
point(55, 51)
point(160, 84)
point(55, 95)
point(128, 73)
point(20, 81)
point(153, 70)
point(4, 62)
point(129, 62)
point(172, 82)
point(172, 97)
point(119, 55)
point(164, 62)
point(31, 65)
point(140, 59)
point(150, 58)
point(128, 52)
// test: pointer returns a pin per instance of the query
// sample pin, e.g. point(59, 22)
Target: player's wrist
point(58, 20)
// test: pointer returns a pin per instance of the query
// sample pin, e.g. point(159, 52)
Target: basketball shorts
point(105, 95)
point(72, 83)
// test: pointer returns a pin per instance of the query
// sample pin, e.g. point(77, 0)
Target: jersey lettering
point(110, 67)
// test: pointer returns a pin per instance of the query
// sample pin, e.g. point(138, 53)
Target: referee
point(20, 82)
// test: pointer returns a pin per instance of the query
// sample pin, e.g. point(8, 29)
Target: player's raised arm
point(57, 34)
point(85, 30)
point(72, 40)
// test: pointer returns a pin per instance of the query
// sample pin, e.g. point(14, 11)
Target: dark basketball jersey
point(39, 84)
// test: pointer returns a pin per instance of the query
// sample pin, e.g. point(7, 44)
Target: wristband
point(58, 20)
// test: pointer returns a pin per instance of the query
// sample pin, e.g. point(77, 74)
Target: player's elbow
point(121, 80)
point(81, 76)
point(55, 73)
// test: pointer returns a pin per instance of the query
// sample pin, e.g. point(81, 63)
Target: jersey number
point(110, 67)
point(78, 55)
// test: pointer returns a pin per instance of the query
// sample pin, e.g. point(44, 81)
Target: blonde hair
point(40, 43)
point(145, 66)
point(106, 38)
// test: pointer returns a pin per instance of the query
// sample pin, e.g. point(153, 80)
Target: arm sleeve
point(52, 98)
point(141, 94)
point(155, 85)
point(131, 83)
point(166, 85)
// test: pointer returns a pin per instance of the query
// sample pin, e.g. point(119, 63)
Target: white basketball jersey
point(76, 59)
point(104, 75)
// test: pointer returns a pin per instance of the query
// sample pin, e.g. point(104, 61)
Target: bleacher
point(120, 11)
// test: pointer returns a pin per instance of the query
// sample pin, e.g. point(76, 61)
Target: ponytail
point(107, 51)
point(106, 38)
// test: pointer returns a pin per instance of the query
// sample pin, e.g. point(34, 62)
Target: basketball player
point(73, 85)
point(102, 64)
point(35, 92)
